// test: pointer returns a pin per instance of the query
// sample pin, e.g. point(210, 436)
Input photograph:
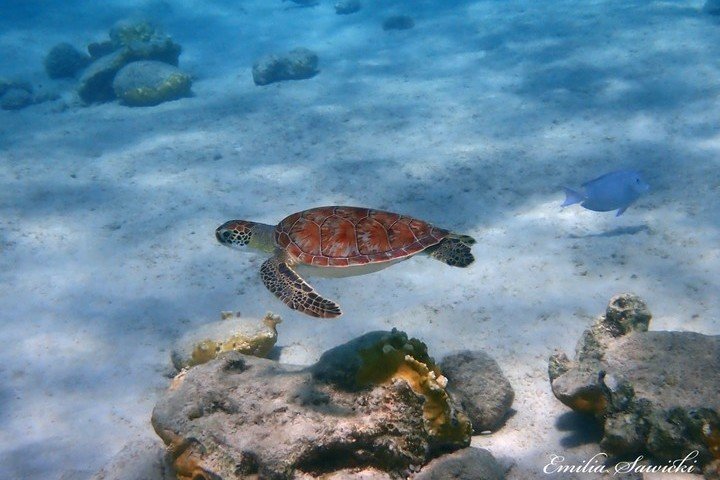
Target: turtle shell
point(350, 236)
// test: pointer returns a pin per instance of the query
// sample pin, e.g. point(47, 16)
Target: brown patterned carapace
point(348, 236)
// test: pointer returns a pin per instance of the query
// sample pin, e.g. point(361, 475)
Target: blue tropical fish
point(612, 191)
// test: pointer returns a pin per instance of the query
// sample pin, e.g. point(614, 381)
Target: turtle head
point(244, 235)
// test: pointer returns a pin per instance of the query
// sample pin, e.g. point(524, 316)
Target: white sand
point(472, 121)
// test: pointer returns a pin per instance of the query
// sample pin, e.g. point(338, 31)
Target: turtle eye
point(226, 235)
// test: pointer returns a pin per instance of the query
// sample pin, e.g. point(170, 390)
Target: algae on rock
point(378, 358)
point(147, 83)
point(250, 336)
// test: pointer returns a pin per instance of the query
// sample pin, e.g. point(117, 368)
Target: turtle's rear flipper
point(453, 251)
point(287, 285)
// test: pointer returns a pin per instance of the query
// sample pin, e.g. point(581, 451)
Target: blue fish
point(614, 190)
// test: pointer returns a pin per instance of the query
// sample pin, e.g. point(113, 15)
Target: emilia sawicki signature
point(596, 464)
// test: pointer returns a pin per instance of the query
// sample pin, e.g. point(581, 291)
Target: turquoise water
point(472, 120)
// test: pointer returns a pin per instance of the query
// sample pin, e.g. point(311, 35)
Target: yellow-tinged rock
point(233, 332)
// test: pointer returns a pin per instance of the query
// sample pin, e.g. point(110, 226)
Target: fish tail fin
point(572, 197)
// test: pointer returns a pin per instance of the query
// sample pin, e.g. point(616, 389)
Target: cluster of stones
point(376, 407)
point(137, 65)
point(302, 63)
point(380, 407)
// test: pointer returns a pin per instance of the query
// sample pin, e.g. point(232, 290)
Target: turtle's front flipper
point(454, 251)
point(287, 285)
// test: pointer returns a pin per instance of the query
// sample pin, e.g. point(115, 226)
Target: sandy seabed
point(472, 121)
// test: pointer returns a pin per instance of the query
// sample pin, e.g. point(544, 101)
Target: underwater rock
point(6, 85)
point(64, 61)
point(297, 64)
point(100, 49)
point(146, 83)
point(652, 390)
point(466, 464)
point(476, 381)
point(380, 357)
point(96, 81)
point(398, 22)
point(16, 99)
point(145, 41)
point(251, 336)
point(237, 416)
point(346, 7)
point(712, 7)
point(139, 460)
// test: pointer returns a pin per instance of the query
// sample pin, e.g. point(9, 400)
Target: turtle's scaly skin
point(351, 236)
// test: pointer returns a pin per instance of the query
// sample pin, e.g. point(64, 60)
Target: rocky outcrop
point(251, 336)
point(129, 42)
point(477, 382)
point(147, 83)
point(297, 64)
point(656, 393)
point(378, 402)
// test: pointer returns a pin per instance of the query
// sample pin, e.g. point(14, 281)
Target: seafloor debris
point(377, 403)
point(655, 392)
point(251, 336)
point(297, 64)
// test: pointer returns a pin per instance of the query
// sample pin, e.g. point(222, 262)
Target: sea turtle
point(338, 241)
